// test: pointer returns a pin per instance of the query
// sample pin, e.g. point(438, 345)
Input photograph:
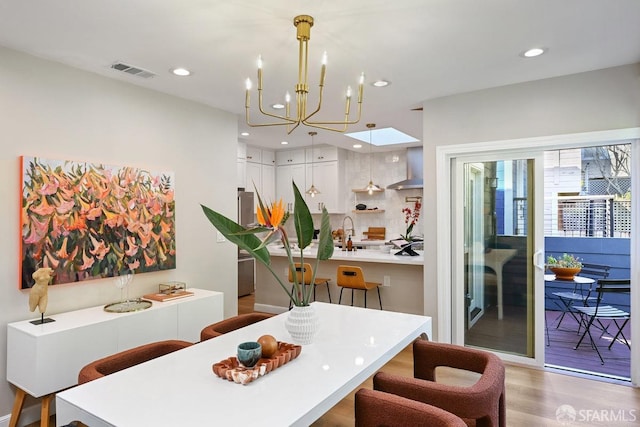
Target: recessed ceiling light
point(532, 53)
point(284, 143)
point(182, 72)
point(277, 106)
point(380, 83)
point(244, 134)
point(357, 145)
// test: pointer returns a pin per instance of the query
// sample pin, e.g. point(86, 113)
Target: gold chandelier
point(303, 24)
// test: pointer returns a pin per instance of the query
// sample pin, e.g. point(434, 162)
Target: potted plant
point(271, 221)
point(564, 267)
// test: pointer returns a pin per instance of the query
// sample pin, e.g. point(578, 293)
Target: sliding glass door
point(498, 255)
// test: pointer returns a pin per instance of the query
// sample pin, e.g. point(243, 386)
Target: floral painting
point(87, 220)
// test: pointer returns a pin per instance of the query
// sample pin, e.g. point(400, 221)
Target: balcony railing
point(588, 216)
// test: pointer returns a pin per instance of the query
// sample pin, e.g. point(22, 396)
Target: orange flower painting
point(87, 221)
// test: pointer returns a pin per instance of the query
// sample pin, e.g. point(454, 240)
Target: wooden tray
point(167, 297)
point(230, 369)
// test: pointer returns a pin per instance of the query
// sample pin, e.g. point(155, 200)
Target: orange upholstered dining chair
point(128, 358)
point(231, 324)
point(376, 409)
point(481, 404)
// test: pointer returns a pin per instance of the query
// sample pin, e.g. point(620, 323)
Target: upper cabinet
point(290, 157)
point(322, 153)
point(254, 154)
point(241, 165)
point(259, 173)
point(323, 166)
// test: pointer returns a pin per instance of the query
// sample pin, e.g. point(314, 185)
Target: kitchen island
point(404, 275)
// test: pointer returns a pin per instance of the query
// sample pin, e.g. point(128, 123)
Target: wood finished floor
point(533, 395)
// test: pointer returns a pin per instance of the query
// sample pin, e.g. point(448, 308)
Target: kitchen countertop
point(362, 255)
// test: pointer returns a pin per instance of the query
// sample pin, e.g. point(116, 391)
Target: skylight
point(382, 137)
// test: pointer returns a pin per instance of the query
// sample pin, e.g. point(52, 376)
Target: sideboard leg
point(17, 407)
point(44, 410)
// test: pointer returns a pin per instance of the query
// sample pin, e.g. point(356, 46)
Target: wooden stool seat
point(352, 277)
point(307, 276)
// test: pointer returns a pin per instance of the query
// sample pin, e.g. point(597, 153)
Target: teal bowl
point(249, 353)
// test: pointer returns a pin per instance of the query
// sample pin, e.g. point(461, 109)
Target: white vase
point(302, 323)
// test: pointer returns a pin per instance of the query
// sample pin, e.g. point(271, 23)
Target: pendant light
point(371, 187)
point(312, 191)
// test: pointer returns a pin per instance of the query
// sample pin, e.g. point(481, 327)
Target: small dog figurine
point(38, 296)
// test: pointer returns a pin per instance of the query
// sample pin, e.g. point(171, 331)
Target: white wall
point(592, 101)
point(52, 111)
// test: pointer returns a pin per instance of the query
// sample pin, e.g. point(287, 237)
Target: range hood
point(414, 171)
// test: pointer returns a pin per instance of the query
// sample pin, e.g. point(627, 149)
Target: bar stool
point(307, 275)
point(352, 277)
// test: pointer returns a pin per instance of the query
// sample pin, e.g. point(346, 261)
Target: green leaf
point(233, 232)
point(325, 240)
point(302, 219)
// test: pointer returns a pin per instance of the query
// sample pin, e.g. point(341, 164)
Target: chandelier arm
point(346, 122)
point(287, 120)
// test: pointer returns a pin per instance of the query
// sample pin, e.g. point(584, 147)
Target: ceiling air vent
point(130, 69)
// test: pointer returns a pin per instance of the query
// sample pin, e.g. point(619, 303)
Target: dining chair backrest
point(351, 277)
point(304, 273)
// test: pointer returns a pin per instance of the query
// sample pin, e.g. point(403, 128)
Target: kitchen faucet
point(344, 231)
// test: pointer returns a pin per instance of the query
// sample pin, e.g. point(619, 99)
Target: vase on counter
point(302, 323)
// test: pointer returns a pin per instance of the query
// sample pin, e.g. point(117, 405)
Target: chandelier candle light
point(303, 24)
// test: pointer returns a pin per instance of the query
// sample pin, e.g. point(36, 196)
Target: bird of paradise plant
point(271, 220)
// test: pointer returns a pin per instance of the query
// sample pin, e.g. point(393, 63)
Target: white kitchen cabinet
point(322, 153)
point(260, 170)
point(254, 177)
point(284, 189)
point(241, 171)
point(254, 154)
point(242, 150)
point(268, 157)
point(290, 157)
point(241, 165)
point(268, 192)
point(44, 359)
point(328, 177)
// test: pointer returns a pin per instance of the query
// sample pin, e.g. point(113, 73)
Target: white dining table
point(181, 389)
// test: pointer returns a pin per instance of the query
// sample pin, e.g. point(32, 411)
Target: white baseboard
point(275, 309)
point(27, 416)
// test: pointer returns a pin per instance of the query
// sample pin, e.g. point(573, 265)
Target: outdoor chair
point(592, 317)
point(481, 404)
point(580, 296)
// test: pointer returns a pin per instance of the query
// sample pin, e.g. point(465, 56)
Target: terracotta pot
point(565, 273)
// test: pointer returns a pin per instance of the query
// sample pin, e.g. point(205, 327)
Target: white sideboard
point(43, 359)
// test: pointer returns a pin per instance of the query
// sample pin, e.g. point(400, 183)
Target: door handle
point(536, 257)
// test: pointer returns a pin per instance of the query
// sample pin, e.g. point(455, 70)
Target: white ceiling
point(426, 48)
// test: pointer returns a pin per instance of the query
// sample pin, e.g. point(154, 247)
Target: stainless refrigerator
point(246, 263)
